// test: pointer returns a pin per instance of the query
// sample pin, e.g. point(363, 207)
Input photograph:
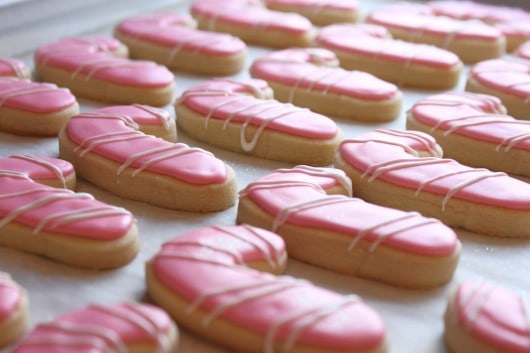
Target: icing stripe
point(52, 167)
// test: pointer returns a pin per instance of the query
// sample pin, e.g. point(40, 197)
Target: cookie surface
point(319, 12)
point(13, 310)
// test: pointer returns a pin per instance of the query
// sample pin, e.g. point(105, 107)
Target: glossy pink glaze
point(489, 13)
point(349, 39)
point(197, 167)
point(473, 115)
point(524, 51)
point(494, 315)
point(173, 30)
point(128, 324)
point(12, 67)
point(10, 296)
point(509, 77)
point(37, 167)
point(316, 5)
point(433, 239)
point(418, 23)
point(249, 16)
point(142, 114)
point(499, 191)
point(25, 95)
point(288, 68)
point(221, 101)
point(352, 326)
point(92, 56)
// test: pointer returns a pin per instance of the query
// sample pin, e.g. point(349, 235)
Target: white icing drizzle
point(233, 99)
point(127, 120)
point(26, 91)
point(427, 141)
point(285, 212)
point(256, 90)
point(11, 174)
point(218, 249)
point(16, 69)
point(477, 123)
point(298, 82)
point(259, 185)
point(106, 63)
point(52, 167)
point(263, 105)
point(164, 118)
point(377, 169)
point(333, 173)
point(407, 148)
point(512, 141)
point(474, 305)
point(200, 40)
point(194, 258)
point(72, 216)
point(447, 175)
point(111, 137)
point(493, 107)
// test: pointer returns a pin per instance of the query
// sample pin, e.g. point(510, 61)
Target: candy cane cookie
point(170, 39)
point(369, 48)
point(311, 78)
point(95, 68)
point(404, 169)
point(485, 317)
point(210, 281)
point(57, 223)
point(474, 129)
point(109, 149)
point(312, 209)
point(13, 310)
point(319, 12)
point(14, 68)
point(35, 109)
point(234, 115)
point(124, 327)
point(472, 41)
point(253, 23)
point(507, 79)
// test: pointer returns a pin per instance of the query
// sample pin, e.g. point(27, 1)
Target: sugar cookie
point(226, 113)
point(170, 39)
point(14, 68)
point(35, 109)
point(472, 41)
point(208, 280)
point(484, 317)
point(254, 23)
point(69, 227)
point(128, 327)
point(13, 310)
point(346, 234)
point(320, 12)
point(507, 79)
point(95, 68)
point(474, 129)
point(368, 48)
point(311, 78)
point(109, 150)
point(404, 169)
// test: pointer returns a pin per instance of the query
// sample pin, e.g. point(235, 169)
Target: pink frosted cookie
point(311, 78)
point(368, 48)
point(472, 41)
point(308, 208)
point(511, 21)
point(234, 115)
point(14, 68)
point(253, 23)
point(319, 12)
point(127, 328)
point(94, 67)
point(507, 79)
point(209, 281)
point(404, 169)
point(35, 109)
point(170, 39)
point(57, 223)
point(108, 148)
point(484, 317)
point(13, 310)
point(474, 129)
point(523, 51)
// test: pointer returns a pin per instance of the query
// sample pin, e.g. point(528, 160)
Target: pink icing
point(509, 77)
point(34, 97)
point(12, 67)
point(524, 51)
point(250, 16)
point(405, 231)
point(286, 68)
point(143, 114)
point(318, 5)
point(123, 142)
point(221, 102)
point(371, 151)
point(348, 38)
point(516, 30)
point(494, 315)
point(170, 30)
point(473, 10)
point(37, 167)
point(100, 329)
point(92, 56)
point(216, 282)
point(473, 115)
point(10, 296)
point(419, 23)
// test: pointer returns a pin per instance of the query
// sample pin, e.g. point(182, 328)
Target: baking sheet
point(413, 317)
